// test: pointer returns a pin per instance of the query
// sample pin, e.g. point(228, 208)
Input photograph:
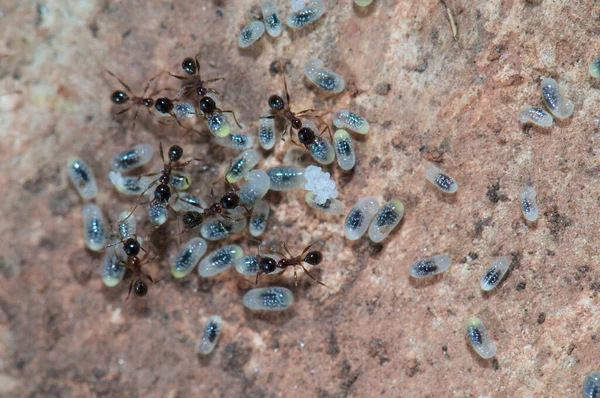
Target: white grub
point(386, 219)
point(440, 179)
point(251, 33)
point(220, 260)
point(266, 132)
point(344, 150)
point(82, 177)
point(494, 275)
point(322, 77)
point(529, 205)
point(344, 119)
point(595, 68)
point(330, 206)
point(127, 225)
point(94, 228)
point(132, 158)
point(286, 178)
point(129, 185)
point(478, 337)
point(312, 11)
point(431, 266)
point(591, 385)
point(112, 272)
point(273, 298)
point(537, 116)
point(241, 165)
point(218, 124)
point(560, 107)
point(158, 213)
point(271, 18)
point(217, 228)
point(256, 187)
point(188, 257)
point(236, 141)
point(259, 219)
point(210, 335)
point(320, 183)
point(358, 219)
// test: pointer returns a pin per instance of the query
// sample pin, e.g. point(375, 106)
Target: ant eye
point(164, 105)
point(241, 165)
point(188, 257)
point(189, 66)
point(313, 258)
point(479, 339)
point(268, 299)
point(207, 105)
point(306, 136)
point(119, 97)
point(322, 77)
point(440, 179)
point(131, 247)
point(276, 102)
point(175, 153)
point(140, 288)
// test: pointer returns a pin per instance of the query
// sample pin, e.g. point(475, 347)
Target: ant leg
point(287, 94)
point(187, 162)
point(329, 131)
point(306, 112)
point(179, 77)
point(313, 278)
point(150, 81)
point(130, 286)
point(137, 202)
point(282, 243)
point(120, 81)
point(234, 118)
point(295, 277)
point(212, 90)
point(256, 282)
point(160, 148)
point(307, 248)
point(149, 278)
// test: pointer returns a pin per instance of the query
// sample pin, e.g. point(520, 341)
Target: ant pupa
point(594, 68)
point(132, 158)
point(220, 260)
point(330, 206)
point(94, 227)
point(323, 77)
point(266, 132)
point(529, 205)
point(560, 107)
point(271, 18)
point(344, 119)
point(188, 257)
point(210, 335)
point(214, 228)
point(427, 267)
point(256, 187)
point(251, 33)
point(180, 180)
point(129, 185)
point(537, 116)
point(358, 219)
point(344, 150)
point(258, 220)
point(312, 257)
point(268, 299)
point(127, 226)
point(386, 219)
point(248, 265)
point(82, 177)
point(132, 247)
point(236, 141)
point(306, 15)
point(112, 271)
point(241, 165)
point(320, 149)
point(494, 275)
point(478, 337)
point(591, 385)
point(440, 179)
point(286, 178)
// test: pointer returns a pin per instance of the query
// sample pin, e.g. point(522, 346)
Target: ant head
point(192, 219)
point(140, 288)
point(175, 153)
point(296, 123)
point(306, 136)
point(267, 265)
point(230, 200)
point(313, 258)
point(164, 105)
point(189, 66)
point(131, 247)
point(162, 193)
point(276, 103)
point(119, 97)
point(207, 105)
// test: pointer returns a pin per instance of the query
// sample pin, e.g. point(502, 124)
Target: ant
point(132, 248)
point(191, 66)
point(268, 265)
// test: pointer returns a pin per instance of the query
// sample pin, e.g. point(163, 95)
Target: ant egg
point(180, 180)
point(595, 68)
point(359, 218)
point(268, 299)
point(134, 157)
point(537, 116)
point(127, 228)
point(183, 110)
point(236, 141)
point(320, 183)
point(258, 221)
point(478, 337)
point(324, 78)
point(82, 177)
point(307, 15)
point(94, 227)
point(218, 124)
point(286, 178)
point(591, 385)
point(440, 179)
point(330, 206)
point(241, 165)
point(129, 185)
point(210, 335)
point(345, 119)
point(386, 219)
point(112, 271)
point(344, 150)
point(529, 205)
point(220, 260)
point(322, 151)
point(157, 213)
point(188, 257)
point(256, 187)
point(266, 132)
point(248, 265)
point(427, 267)
point(560, 107)
point(214, 228)
point(271, 18)
point(251, 33)
point(363, 3)
point(188, 202)
point(494, 274)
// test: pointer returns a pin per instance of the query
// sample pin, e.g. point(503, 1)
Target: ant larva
point(132, 248)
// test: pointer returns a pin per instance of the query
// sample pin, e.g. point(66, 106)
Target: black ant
point(191, 66)
point(132, 248)
point(268, 265)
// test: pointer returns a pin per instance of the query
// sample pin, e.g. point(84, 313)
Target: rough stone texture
point(428, 98)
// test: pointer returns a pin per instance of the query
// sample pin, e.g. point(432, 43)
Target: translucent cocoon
point(358, 219)
point(431, 266)
point(220, 260)
point(386, 219)
point(210, 335)
point(559, 106)
point(82, 177)
point(529, 205)
point(285, 178)
point(536, 116)
point(237, 141)
point(307, 15)
point(271, 18)
point(241, 165)
point(218, 124)
point(251, 33)
point(330, 206)
point(158, 213)
point(266, 133)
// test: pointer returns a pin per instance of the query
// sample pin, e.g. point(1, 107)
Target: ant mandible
point(132, 248)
